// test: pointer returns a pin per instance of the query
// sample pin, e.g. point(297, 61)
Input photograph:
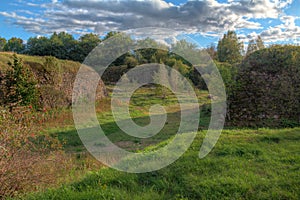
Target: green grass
point(36, 61)
point(139, 114)
point(244, 164)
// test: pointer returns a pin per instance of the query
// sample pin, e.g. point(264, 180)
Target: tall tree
point(252, 47)
point(161, 78)
point(15, 45)
point(212, 51)
point(255, 45)
point(260, 43)
point(230, 48)
point(146, 55)
point(110, 34)
point(2, 43)
point(39, 46)
point(85, 45)
point(62, 44)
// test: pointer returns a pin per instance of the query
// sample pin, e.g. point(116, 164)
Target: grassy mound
point(54, 78)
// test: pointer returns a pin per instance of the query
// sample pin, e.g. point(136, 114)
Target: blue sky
point(277, 21)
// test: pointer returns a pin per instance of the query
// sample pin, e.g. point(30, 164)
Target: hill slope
point(54, 78)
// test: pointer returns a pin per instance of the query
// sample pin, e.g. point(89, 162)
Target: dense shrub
point(28, 160)
point(268, 88)
point(19, 85)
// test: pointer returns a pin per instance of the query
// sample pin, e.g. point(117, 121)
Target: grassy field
point(245, 163)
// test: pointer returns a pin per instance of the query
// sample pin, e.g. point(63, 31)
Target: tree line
point(262, 84)
point(228, 54)
point(60, 45)
point(64, 46)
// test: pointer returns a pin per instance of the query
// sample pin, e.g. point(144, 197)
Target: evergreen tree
point(19, 85)
point(229, 48)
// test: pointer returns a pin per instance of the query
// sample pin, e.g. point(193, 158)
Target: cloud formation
point(204, 17)
point(287, 31)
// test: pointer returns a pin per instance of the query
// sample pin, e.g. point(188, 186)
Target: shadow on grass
point(72, 142)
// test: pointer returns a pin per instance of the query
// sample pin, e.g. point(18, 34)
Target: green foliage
point(85, 45)
point(255, 45)
point(147, 55)
point(2, 43)
point(20, 85)
point(212, 51)
point(15, 45)
point(53, 80)
point(38, 46)
point(52, 71)
point(161, 54)
point(268, 88)
point(63, 46)
point(228, 73)
point(110, 34)
point(162, 79)
point(267, 167)
point(229, 48)
point(260, 43)
point(131, 62)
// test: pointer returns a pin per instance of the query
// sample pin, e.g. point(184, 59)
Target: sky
point(205, 21)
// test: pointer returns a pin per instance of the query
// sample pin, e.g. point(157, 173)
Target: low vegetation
point(41, 82)
point(257, 156)
point(245, 163)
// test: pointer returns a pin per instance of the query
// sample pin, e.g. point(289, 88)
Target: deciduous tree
point(15, 45)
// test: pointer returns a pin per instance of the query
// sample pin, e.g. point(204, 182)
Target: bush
point(268, 88)
point(19, 85)
point(28, 160)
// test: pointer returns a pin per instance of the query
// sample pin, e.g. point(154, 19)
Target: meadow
point(44, 158)
point(245, 163)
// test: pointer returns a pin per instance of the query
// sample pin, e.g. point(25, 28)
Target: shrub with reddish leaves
point(28, 159)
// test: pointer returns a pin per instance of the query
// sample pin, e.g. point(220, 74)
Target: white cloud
point(208, 17)
point(287, 31)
